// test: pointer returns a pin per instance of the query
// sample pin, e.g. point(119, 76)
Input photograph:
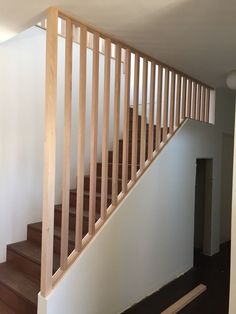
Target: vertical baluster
point(105, 131)
point(67, 146)
point(81, 140)
point(125, 159)
point(199, 97)
point(189, 99)
point(151, 113)
point(49, 153)
point(207, 105)
point(94, 131)
point(144, 116)
point(135, 119)
point(115, 159)
point(183, 114)
point(178, 96)
point(194, 100)
point(166, 103)
point(203, 103)
point(159, 107)
point(172, 102)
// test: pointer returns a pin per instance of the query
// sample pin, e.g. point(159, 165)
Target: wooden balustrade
point(128, 146)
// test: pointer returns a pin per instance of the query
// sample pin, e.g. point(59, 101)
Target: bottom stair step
point(18, 290)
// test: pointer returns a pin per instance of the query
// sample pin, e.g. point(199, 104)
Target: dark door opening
point(203, 205)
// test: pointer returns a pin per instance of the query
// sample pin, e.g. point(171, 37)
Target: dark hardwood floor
point(211, 271)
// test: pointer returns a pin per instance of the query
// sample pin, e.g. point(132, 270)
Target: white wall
point(149, 239)
point(22, 64)
point(224, 119)
point(21, 135)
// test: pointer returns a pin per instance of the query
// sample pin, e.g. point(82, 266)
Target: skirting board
point(188, 298)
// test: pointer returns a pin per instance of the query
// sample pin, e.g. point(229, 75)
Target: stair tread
point(19, 282)
point(57, 231)
point(119, 164)
point(4, 309)
point(73, 211)
point(99, 177)
point(86, 193)
point(32, 251)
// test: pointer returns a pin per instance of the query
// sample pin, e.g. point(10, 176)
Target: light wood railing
point(167, 97)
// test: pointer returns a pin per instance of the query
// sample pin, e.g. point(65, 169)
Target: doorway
point(203, 207)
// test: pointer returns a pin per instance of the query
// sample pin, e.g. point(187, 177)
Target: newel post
point(49, 152)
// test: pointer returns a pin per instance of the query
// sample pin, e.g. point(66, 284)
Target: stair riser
point(99, 183)
point(36, 236)
point(147, 134)
point(86, 202)
point(24, 264)
point(99, 170)
point(140, 124)
point(130, 147)
point(110, 156)
point(139, 135)
point(99, 166)
point(57, 220)
point(139, 139)
point(17, 303)
point(72, 221)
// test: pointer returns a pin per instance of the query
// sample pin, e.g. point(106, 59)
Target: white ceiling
point(196, 36)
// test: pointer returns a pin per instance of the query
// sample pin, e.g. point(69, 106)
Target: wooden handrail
point(167, 98)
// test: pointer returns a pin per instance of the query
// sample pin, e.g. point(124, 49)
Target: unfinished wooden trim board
point(184, 301)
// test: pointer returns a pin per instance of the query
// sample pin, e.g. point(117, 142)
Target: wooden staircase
point(20, 274)
point(174, 97)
